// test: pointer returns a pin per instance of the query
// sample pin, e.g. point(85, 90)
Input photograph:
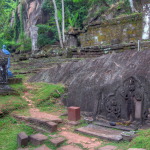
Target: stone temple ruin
point(110, 88)
point(129, 102)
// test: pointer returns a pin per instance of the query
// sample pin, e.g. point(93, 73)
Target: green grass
point(9, 128)
point(123, 145)
point(45, 94)
point(11, 103)
point(20, 88)
point(142, 140)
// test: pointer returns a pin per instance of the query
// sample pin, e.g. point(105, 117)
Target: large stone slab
point(119, 127)
point(43, 147)
point(48, 125)
point(38, 139)
point(101, 132)
point(108, 147)
point(107, 86)
point(57, 141)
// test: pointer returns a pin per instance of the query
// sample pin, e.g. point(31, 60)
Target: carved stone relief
point(129, 102)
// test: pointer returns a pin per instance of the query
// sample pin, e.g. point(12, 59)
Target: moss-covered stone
point(123, 29)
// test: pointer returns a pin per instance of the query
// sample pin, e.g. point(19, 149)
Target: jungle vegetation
point(65, 15)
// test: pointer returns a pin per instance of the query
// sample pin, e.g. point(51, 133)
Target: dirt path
point(73, 139)
point(35, 112)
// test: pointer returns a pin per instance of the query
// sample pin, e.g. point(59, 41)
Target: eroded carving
point(129, 102)
point(113, 108)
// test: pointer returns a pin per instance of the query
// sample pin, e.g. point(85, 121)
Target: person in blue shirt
point(8, 64)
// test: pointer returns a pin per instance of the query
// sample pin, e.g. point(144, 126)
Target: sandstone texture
point(38, 139)
point(93, 84)
point(22, 139)
point(108, 147)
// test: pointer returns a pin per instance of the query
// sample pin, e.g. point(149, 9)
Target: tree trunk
point(57, 23)
point(63, 21)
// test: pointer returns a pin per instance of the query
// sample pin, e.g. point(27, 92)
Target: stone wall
point(115, 31)
point(96, 51)
point(113, 86)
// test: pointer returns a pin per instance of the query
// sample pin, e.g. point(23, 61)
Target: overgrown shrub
point(46, 35)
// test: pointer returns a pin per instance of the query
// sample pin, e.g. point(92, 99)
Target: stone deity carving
point(6, 52)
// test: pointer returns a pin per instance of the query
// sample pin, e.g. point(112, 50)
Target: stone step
point(108, 147)
point(37, 139)
point(119, 127)
point(22, 139)
point(101, 132)
point(69, 147)
point(58, 141)
point(14, 80)
point(44, 125)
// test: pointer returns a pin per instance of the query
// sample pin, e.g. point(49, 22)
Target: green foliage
point(73, 19)
point(46, 35)
point(16, 26)
point(6, 8)
point(46, 6)
point(45, 93)
point(25, 43)
point(20, 88)
point(142, 140)
point(10, 103)
point(21, 20)
point(76, 12)
point(9, 128)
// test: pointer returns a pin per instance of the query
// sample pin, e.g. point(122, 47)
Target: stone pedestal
point(74, 113)
point(22, 139)
point(38, 139)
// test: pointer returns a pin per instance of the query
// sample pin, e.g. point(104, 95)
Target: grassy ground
point(46, 97)
point(142, 140)
point(10, 103)
point(9, 128)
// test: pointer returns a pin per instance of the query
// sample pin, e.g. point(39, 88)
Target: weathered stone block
point(38, 139)
point(58, 141)
point(74, 113)
point(51, 126)
point(108, 147)
point(22, 139)
point(43, 147)
point(69, 147)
